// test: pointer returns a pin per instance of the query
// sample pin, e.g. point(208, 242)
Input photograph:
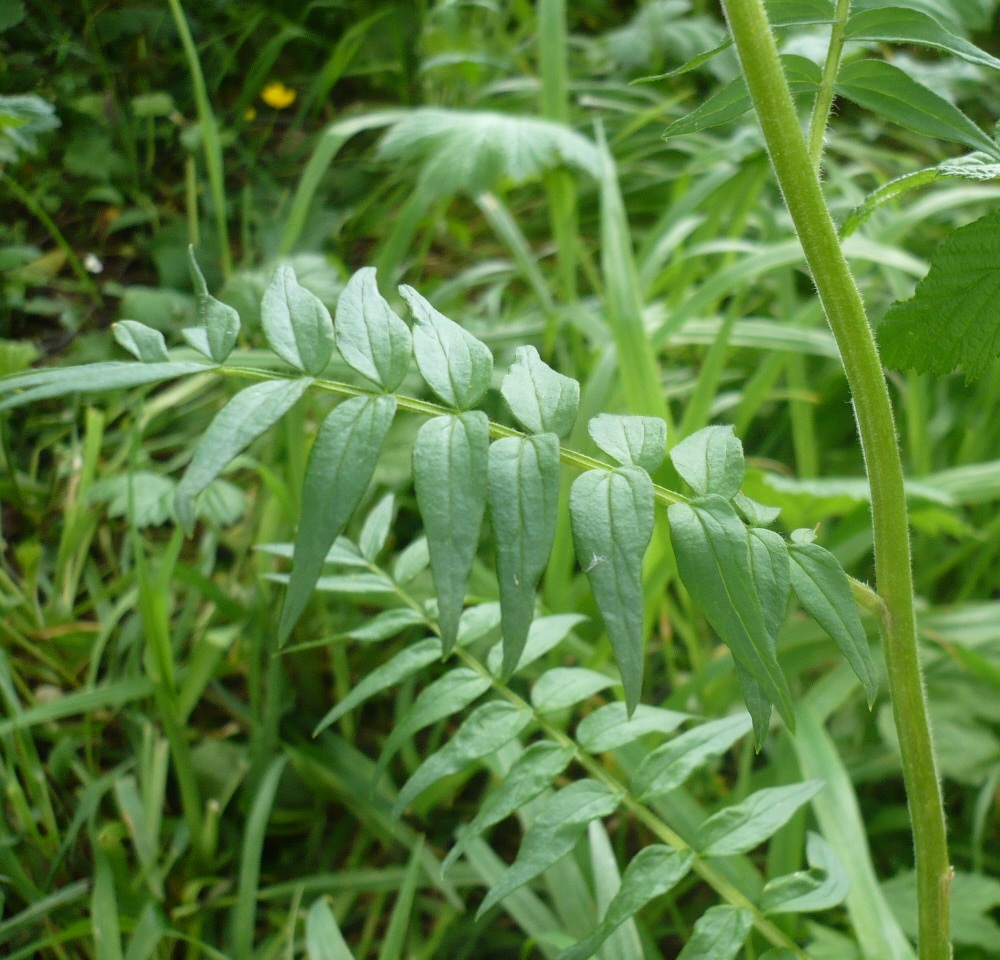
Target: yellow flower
point(277, 95)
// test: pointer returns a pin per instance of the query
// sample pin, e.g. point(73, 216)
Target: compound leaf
point(825, 884)
point(631, 441)
point(544, 635)
point(711, 461)
point(296, 322)
point(611, 726)
point(144, 343)
point(542, 400)
point(220, 323)
point(562, 687)
point(718, 934)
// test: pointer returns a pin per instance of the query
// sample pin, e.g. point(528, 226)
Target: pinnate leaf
point(247, 415)
point(718, 934)
point(951, 321)
point(341, 463)
point(611, 726)
point(144, 343)
point(523, 495)
point(370, 337)
point(220, 323)
point(542, 400)
point(456, 366)
point(825, 884)
point(561, 687)
point(711, 461)
point(631, 441)
point(652, 873)
point(559, 825)
point(450, 466)
point(545, 634)
point(612, 518)
point(296, 322)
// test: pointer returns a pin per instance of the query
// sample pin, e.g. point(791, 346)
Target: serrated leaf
point(244, 418)
point(746, 825)
point(405, 663)
point(375, 529)
point(450, 457)
point(824, 885)
point(610, 726)
point(296, 323)
point(341, 463)
point(529, 775)
point(711, 461)
point(456, 366)
point(144, 343)
point(670, 765)
point(544, 635)
point(562, 687)
point(713, 558)
point(92, 378)
point(612, 519)
point(718, 934)
point(631, 441)
point(907, 26)
point(324, 941)
point(483, 732)
point(951, 321)
point(220, 322)
point(825, 593)
point(542, 400)
point(370, 337)
point(559, 825)
point(523, 498)
point(653, 872)
point(894, 95)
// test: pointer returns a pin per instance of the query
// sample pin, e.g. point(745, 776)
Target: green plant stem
point(845, 312)
point(824, 98)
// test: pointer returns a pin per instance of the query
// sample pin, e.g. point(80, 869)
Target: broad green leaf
point(612, 518)
point(756, 514)
point(713, 558)
point(783, 12)
point(388, 623)
point(219, 321)
point(144, 343)
point(375, 529)
point(405, 663)
point(711, 461)
point(559, 825)
point(456, 366)
point(562, 687)
point(542, 400)
point(22, 119)
point(652, 873)
point(93, 378)
point(247, 415)
point(341, 463)
point(770, 568)
point(951, 321)
point(296, 322)
point(523, 497)
point(825, 593)
point(530, 774)
point(450, 693)
point(370, 337)
point(906, 26)
point(825, 884)
point(450, 457)
point(631, 441)
point(757, 704)
point(610, 726)
point(324, 941)
point(483, 732)
point(545, 634)
point(746, 825)
point(718, 934)
point(669, 765)
point(893, 95)
point(411, 561)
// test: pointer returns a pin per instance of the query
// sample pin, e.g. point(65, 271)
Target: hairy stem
point(824, 98)
point(845, 312)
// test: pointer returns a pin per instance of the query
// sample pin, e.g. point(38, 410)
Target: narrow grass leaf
point(612, 520)
point(341, 463)
point(623, 942)
point(670, 765)
point(611, 726)
point(631, 441)
point(824, 885)
point(559, 825)
point(713, 558)
point(711, 461)
point(450, 470)
point(529, 775)
point(825, 592)
point(652, 873)
point(394, 942)
point(324, 941)
point(146, 844)
point(250, 413)
point(296, 323)
point(456, 366)
point(483, 732)
point(563, 687)
point(744, 826)
point(220, 322)
point(894, 95)
point(370, 337)
point(523, 497)
point(718, 934)
point(144, 343)
point(542, 400)
point(104, 917)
